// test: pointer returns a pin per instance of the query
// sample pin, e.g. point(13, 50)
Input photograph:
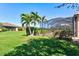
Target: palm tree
point(26, 20)
point(43, 20)
point(35, 19)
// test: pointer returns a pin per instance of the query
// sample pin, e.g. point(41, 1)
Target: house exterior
point(9, 26)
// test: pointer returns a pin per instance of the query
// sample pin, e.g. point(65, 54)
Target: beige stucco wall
point(16, 29)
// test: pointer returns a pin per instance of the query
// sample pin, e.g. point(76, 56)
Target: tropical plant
point(43, 20)
point(26, 20)
point(30, 19)
point(20, 29)
point(2, 29)
point(35, 19)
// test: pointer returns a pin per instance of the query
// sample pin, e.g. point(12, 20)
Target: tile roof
point(8, 24)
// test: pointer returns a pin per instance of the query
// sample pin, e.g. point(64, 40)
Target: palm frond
point(25, 19)
point(33, 13)
point(23, 24)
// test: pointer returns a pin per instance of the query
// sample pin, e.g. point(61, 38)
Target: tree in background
point(43, 20)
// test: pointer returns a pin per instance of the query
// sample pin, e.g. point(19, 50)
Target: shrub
point(65, 34)
point(3, 29)
point(45, 47)
point(37, 31)
point(40, 31)
point(20, 29)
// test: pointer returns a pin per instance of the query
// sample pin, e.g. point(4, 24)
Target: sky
point(10, 12)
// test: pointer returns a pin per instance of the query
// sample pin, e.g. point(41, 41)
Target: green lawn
point(9, 40)
point(16, 44)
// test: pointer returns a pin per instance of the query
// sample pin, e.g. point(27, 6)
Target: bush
point(45, 47)
point(3, 29)
point(65, 34)
point(40, 31)
point(37, 31)
point(20, 29)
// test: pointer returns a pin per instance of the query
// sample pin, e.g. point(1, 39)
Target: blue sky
point(10, 12)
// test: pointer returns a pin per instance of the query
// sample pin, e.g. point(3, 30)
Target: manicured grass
point(9, 40)
point(17, 44)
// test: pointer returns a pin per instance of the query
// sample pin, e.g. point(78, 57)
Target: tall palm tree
point(26, 20)
point(35, 19)
point(43, 20)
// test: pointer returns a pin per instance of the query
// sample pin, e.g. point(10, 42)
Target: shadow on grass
point(45, 47)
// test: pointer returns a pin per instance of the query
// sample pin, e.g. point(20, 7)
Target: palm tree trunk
point(42, 24)
point(29, 29)
point(33, 31)
point(26, 31)
point(42, 28)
